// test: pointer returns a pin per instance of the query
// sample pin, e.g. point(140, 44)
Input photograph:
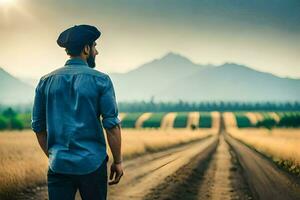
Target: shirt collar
point(76, 61)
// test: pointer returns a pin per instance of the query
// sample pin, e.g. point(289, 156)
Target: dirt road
point(214, 173)
point(147, 172)
point(218, 167)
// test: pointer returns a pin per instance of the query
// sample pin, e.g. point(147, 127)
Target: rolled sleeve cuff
point(110, 122)
point(38, 126)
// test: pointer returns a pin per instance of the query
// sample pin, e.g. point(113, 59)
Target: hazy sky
point(262, 34)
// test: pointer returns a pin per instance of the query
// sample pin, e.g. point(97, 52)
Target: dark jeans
point(92, 186)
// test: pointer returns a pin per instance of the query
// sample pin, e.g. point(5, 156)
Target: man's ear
point(86, 49)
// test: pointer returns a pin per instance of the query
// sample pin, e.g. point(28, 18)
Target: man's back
point(69, 102)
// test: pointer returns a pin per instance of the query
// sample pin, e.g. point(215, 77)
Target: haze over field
point(174, 77)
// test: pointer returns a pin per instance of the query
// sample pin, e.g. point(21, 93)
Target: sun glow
point(11, 9)
point(5, 2)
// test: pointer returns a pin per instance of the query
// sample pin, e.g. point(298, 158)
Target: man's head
point(87, 52)
point(79, 41)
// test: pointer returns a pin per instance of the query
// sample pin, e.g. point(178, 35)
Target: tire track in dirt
point(223, 178)
point(184, 183)
point(147, 174)
point(213, 174)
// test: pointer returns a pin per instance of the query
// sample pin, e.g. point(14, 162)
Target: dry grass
point(259, 116)
point(280, 144)
point(121, 116)
point(216, 117)
point(139, 122)
point(252, 117)
point(193, 119)
point(168, 120)
point(275, 116)
point(23, 164)
point(229, 120)
point(137, 142)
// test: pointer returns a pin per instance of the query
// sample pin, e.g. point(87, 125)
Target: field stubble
point(23, 164)
point(280, 144)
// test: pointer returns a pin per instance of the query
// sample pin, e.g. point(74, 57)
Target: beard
point(91, 61)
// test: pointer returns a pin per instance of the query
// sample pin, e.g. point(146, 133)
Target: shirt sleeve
point(38, 115)
point(108, 106)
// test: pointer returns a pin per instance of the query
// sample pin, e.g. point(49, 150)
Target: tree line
point(11, 120)
point(19, 117)
point(181, 106)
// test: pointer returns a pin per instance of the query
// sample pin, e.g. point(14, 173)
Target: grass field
point(205, 120)
point(181, 120)
point(129, 120)
point(23, 164)
point(191, 120)
point(242, 120)
point(263, 119)
point(280, 144)
point(154, 121)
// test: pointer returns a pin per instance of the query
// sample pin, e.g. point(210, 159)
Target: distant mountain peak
point(174, 58)
point(13, 90)
point(239, 67)
point(3, 72)
point(169, 63)
point(172, 54)
point(230, 65)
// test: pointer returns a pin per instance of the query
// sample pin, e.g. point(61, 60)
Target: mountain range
point(173, 78)
point(13, 90)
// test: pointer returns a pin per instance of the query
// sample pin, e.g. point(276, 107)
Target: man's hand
point(114, 141)
point(116, 172)
point(42, 139)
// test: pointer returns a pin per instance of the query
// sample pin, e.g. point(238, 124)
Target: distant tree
point(9, 113)
point(193, 127)
point(25, 118)
point(267, 123)
point(3, 123)
point(290, 121)
point(16, 123)
point(11, 120)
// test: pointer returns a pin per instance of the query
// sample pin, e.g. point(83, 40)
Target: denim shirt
point(68, 104)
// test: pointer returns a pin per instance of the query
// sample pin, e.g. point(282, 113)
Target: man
point(66, 119)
